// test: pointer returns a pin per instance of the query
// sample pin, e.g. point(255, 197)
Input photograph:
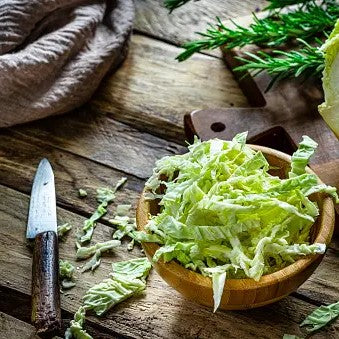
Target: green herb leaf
point(272, 31)
point(173, 4)
point(284, 3)
point(307, 61)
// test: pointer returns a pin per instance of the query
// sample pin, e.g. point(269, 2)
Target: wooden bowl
point(245, 293)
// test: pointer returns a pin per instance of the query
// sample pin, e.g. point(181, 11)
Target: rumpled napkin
point(54, 53)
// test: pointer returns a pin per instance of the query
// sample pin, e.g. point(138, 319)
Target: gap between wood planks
point(101, 139)
point(18, 313)
point(156, 313)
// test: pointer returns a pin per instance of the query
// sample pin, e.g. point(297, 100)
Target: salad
point(223, 214)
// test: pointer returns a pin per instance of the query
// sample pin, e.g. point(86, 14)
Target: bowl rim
point(324, 236)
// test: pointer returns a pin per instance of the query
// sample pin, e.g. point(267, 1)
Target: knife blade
point(42, 227)
point(42, 206)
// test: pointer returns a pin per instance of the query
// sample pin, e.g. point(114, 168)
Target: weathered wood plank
point(152, 91)
point(18, 306)
point(71, 172)
point(180, 26)
point(102, 139)
point(322, 285)
point(13, 328)
point(161, 312)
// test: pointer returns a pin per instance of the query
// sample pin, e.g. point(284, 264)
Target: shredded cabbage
point(76, 330)
point(82, 193)
point(96, 251)
point(124, 224)
point(223, 215)
point(66, 271)
point(63, 229)
point(128, 279)
point(104, 196)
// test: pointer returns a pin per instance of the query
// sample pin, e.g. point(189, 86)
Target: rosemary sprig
point(308, 61)
point(173, 4)
point(274, 4)
point(271, 31)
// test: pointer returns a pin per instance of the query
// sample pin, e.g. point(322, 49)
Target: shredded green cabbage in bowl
point(222, 214)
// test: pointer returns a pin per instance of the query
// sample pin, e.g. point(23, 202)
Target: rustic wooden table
point(134, 118)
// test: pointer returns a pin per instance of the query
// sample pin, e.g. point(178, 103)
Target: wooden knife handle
point(46, 313)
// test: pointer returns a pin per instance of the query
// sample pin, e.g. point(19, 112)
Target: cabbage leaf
point(128, 279)
point(321, 316)
point(330, 108)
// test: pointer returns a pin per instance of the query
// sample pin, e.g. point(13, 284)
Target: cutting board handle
point(46, 313)
point(226, 123)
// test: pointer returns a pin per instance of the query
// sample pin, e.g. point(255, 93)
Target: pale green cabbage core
point(223, 215)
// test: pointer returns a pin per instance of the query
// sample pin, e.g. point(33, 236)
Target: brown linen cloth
point(54, 53)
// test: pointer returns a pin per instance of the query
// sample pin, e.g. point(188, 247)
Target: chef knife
point(42, 229)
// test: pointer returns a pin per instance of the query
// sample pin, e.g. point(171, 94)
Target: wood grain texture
point(71, 173)
point(46, 313)
point(99, 138)
point(18, 306)
point(11, 327)
point(242, 294)
point(154, 19)
point(161, 312)
point(152, 91)
point(89, 150)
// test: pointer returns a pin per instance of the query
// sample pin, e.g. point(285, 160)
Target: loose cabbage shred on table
point(63, 229)
point(82, 193)
point(76, 330)
point(66, 271)
point(104, 197)
point(128, 279)
point(95, 251)
point(321, 316)
point(222, 214)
